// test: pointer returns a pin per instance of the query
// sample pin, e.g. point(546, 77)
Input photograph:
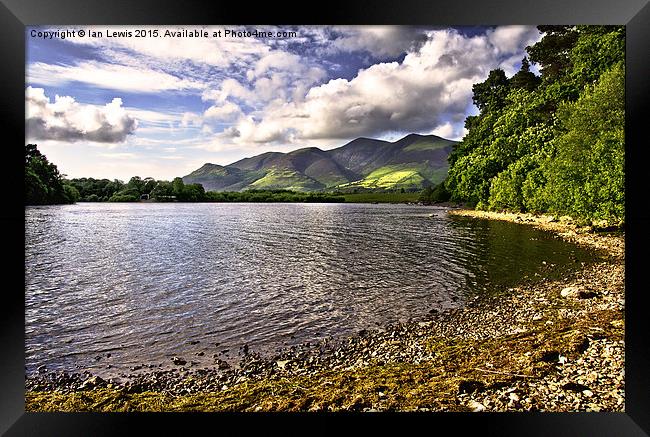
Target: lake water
point(148, 281)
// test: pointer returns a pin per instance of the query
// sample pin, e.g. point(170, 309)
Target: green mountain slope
point(413, 162)
point(215, 177)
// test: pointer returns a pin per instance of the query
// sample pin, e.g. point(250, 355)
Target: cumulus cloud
point(275, 76)
point(275, 60)
point(228, 111)
point(228, 88)
point(69, 121)
point(451, 131)
point(432, 85)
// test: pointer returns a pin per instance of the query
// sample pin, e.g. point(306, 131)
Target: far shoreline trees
point(149, 189)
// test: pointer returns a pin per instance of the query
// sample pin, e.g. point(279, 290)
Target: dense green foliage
point(44, 185)
point(382, 197)
point(103, 190)
point(553, 143)
point(270, 196)
point(96, 190)
point(435, 194)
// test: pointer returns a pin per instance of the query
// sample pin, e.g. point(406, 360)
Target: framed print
point(430, 212)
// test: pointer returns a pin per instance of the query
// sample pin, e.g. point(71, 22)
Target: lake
point(145, 282)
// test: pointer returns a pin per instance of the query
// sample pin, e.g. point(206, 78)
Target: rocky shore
point(545, 345)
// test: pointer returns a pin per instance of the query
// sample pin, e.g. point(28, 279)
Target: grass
point(399, 176)
point(285, 179)
point(387, 177)
point(381, 197)
point(426, 145)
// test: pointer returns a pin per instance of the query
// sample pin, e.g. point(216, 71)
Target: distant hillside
point(414, 162)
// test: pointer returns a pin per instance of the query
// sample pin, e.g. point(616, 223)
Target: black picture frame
point(16, 14)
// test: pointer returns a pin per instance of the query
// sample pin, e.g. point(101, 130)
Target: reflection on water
point(145, 282)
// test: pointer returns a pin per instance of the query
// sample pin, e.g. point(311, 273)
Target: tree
point(525, 78)
point(490, 94)
point(43, 182)
point(434, 195)
point(162, 191)
point(71, 193)
point(136, 184)
point(193, 193)
point(586, 175)
point(551, 144)
point(177, 187)
point(552, 52)
point(149, 185)
point(596, 50)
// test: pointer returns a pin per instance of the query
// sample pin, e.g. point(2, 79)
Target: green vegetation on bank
point(553, 143)
point(271, 196)
point(103, 190)
point(382, 197)
point(44, 185)
point(435, 194)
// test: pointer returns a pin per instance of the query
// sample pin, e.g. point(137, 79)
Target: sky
point(124, 103)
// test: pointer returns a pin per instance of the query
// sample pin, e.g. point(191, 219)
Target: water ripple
point(150, 281)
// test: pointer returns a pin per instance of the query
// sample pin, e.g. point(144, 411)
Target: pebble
point(178, 361)
point(476, 406)
point(569, 292)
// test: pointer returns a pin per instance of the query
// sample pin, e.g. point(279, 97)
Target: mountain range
point(413, 162)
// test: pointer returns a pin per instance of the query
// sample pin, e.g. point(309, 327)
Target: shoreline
point(552, 345)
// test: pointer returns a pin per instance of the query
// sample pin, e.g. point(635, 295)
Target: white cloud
point(228, 88)
point(452, 131)
point(68, 121)
point(154, 117)
point(191, 119)
point(227, 111)
point(108, 76)
point(220, 52)
point(275, 60)
point(279, 78)
point(511, 39)
point(431, 85)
